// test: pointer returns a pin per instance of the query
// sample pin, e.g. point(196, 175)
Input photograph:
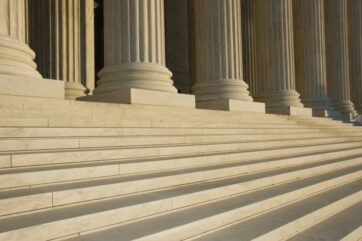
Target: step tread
point(335, 227)
point(183, 217)
point(268, 222)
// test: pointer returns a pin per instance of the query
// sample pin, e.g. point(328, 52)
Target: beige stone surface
point(34, 87)
point(143, 96)
point(232, 105)
point(289, 110)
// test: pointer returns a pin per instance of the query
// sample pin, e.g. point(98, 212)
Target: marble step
point(344, 225)
point(270, 173)
point(43, 175)
point(33, 158)
point(63, 221)
point(195, 220)
point(314, 212)
point(248, 140)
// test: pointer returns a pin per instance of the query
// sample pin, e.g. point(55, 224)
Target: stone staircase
point(93, 171)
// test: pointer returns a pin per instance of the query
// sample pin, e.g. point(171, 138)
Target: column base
point(143, 97)
point(327, 113)
point(32, 87)
point(73, 91)
point(289, 110)
point(232, 105)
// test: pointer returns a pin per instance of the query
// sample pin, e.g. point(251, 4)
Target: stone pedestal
point(355, 51)
point(275, 56)
point(218, 54)
point(309, 46)
point(338, 76)
point(16, 58)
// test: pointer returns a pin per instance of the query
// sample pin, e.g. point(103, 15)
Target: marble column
point(309, 49)
point(249, 44)
point(134, 47)
point(355, 51)
point(218, 50)
point(275, 57)
point(61, 34)
point(337, 55)
point(16, 58)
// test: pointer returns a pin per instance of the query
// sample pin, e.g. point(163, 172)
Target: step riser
point(82, 224)
point(29, 179)
point(287, 231)
point(47, 200)
point(18, 160)
point(8, 145)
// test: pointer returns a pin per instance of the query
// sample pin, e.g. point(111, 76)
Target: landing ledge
point(31, 87)
point(143, 97)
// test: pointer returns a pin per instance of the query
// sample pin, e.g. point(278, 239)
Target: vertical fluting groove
point(136, 30)
point(76, 42)
point(163, 35)
point(118, 52)
point(248, 44)
point(70, 40)
point(64, 39)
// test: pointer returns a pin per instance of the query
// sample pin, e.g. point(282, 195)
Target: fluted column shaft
point(309, 46)
point(58, 33)
point(134, 41)
point(16, 58)
point(275, 53)
point(355, 51)
point(218, 50)
point(249, 44)
point(337, 55)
